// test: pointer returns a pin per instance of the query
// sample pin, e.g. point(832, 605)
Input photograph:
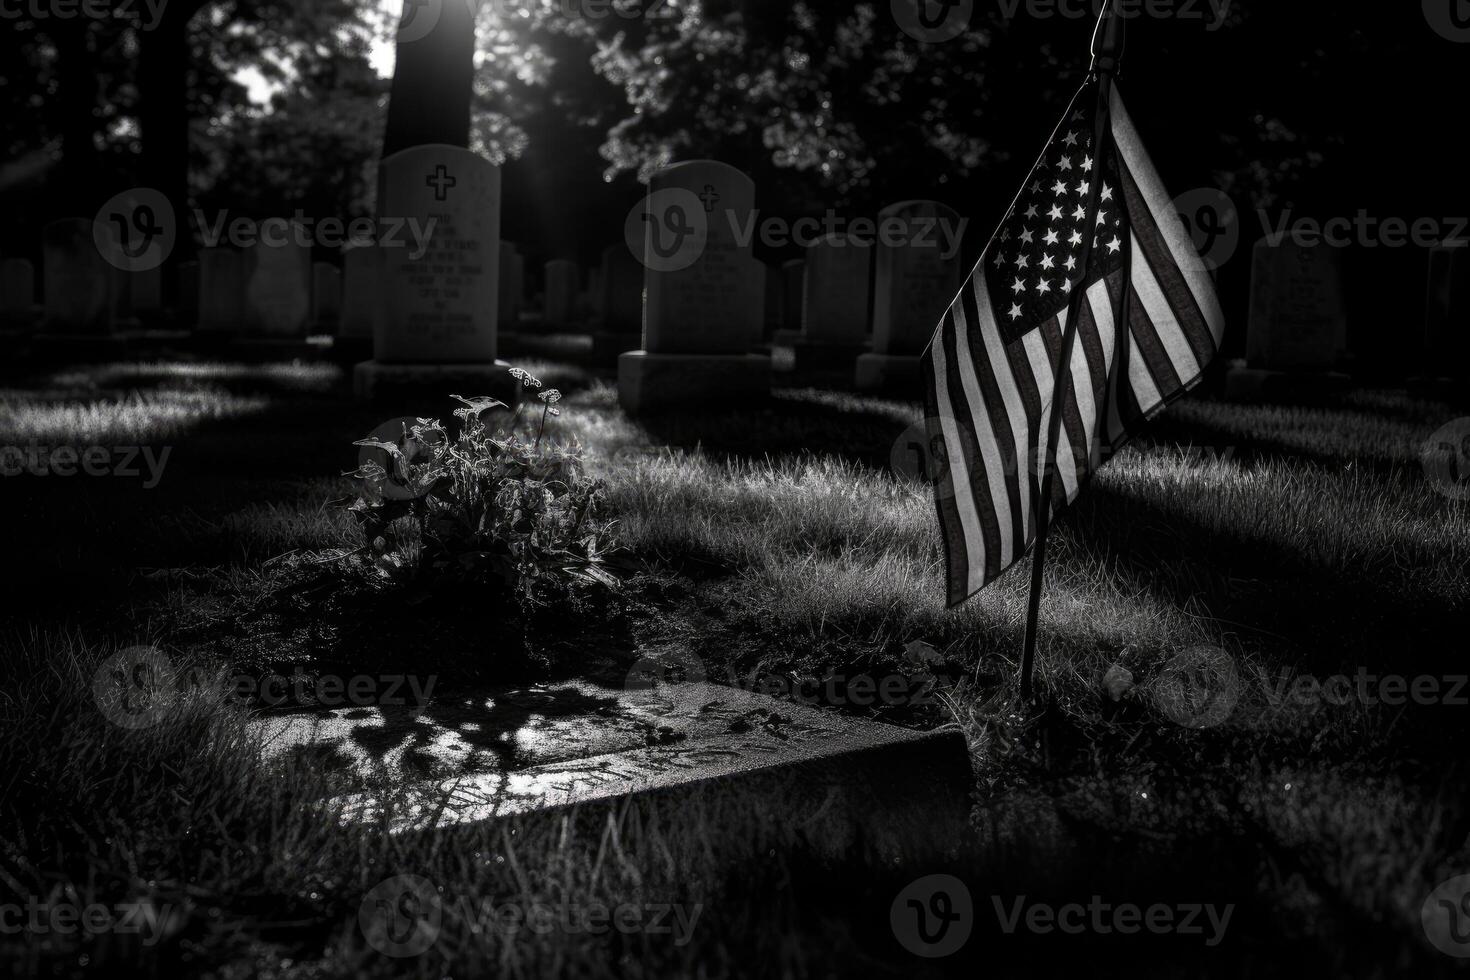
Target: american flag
point(989, 370)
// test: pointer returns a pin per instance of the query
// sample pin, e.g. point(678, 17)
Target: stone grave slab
point(699, 296)
point(915, 280)
point(438, 330)
point(515, 751)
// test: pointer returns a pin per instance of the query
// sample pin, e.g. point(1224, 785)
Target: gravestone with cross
point(834, 306)
point(1297, 332)
point(699, 294)
point(440, 302)
point(917, 275)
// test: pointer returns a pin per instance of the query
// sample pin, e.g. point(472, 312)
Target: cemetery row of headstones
point(696, 330)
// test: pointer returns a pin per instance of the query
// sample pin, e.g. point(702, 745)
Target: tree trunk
point(430, 98)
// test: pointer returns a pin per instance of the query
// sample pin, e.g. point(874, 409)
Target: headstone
point(834, 307)
point(186, 302)
point(145, 293)
point(440, 309)
point(362, 301)
point(775, 311)
point(793, 280)
point(1298, 318)
point(756, 270)
point(620, 323)
point(1296, 335)
point(326, 297)
point(485, 755)
point(562, 289)
point(698, 297)
point(221, 291)
point(277, 291)
point(1447, 312)
point(512, 286)
point(917, 275)
point(81, 287)
point(17, 292)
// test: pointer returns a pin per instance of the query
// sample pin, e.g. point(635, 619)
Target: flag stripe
point(951, 527)
point(1166, 325)
point(997, 548)
point(1004, 415)
point(1153, 250)
point(1137, 163)
point(1051, 332)
point(1160, 367)
point(956, 506)
point(962, 415)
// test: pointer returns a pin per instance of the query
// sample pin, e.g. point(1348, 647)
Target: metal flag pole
point(1107, 51)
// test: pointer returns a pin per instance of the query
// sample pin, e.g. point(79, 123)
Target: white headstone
point(704, 307)
point(701, 296)
point(562, 288)
point(1298, 317)
point(835, 296)
point(81, 286)
point(362, 284)
point(440, 307)
point(277, 290)
point(17, 290)
point(326, 297)
point(221, 290)
point(916, 278)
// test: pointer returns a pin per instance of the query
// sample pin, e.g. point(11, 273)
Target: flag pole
point(1107, 51)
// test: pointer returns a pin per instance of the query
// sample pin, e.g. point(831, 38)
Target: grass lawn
point(1261, 547)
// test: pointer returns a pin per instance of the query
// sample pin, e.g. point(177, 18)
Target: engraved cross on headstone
point(440, 181)
point(709, 196)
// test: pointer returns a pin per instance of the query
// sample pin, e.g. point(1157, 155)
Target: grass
point(1306, 543)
